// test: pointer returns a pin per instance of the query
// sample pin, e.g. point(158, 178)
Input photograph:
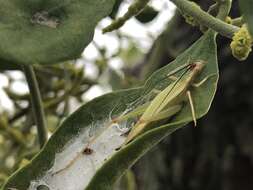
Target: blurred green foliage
point(213, 149)
point(63, 88)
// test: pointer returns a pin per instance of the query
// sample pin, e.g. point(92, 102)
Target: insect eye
point(192, 66)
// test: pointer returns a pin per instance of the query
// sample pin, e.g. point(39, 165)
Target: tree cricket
point(170, 101)
point(165, 104)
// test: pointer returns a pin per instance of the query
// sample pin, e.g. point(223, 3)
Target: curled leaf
point(84, 152)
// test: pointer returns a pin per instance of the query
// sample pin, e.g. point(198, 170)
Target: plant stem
point(37, 106)
point(205, 19)
point(238, 21)
point(224, 9)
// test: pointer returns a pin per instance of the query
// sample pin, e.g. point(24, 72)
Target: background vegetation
point(218, 154)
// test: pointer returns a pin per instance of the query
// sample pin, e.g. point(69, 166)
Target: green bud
point(228, 20)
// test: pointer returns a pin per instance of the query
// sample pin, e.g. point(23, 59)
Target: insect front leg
point(198, 84)
point(173, 78)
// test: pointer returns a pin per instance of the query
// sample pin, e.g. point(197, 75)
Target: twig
point(37, 106)
point(206, 19)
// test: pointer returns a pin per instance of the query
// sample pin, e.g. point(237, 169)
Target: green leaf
point(63, 163)
point(48, 31)
point(9, 66)
point(246, 9)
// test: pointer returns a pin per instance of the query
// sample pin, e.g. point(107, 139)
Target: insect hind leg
point(192, 107)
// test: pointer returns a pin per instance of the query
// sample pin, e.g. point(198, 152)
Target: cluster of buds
point(241, 43)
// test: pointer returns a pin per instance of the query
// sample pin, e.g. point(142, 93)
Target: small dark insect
point(88, 151)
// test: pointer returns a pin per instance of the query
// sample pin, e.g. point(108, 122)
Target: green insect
point(170, 100)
